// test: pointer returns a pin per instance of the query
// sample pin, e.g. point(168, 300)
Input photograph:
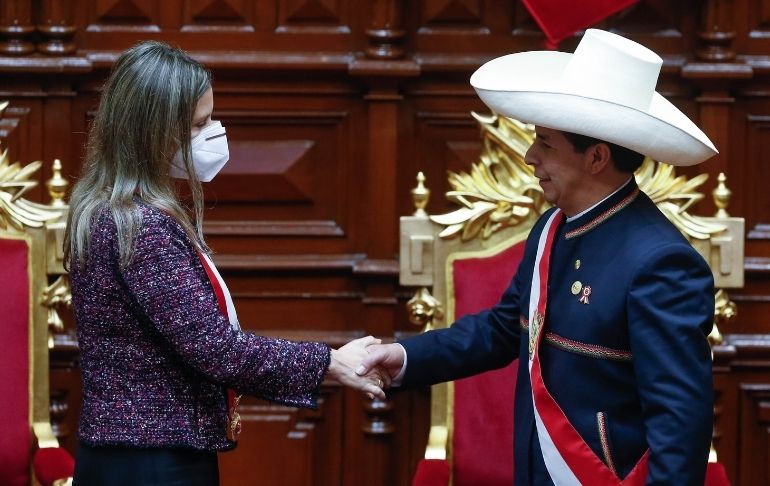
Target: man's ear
point(598, 157)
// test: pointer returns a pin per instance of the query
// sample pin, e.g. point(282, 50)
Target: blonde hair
point(144, 117)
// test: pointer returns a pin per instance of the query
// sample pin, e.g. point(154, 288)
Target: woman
point(162, 353)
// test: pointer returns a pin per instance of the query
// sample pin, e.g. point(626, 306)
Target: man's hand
point(389, 357)
point(346, 359)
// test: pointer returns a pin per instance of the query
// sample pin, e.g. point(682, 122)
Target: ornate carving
point(422, 308)
point(57, 186)
point(674, 195)
point(725, 311)
point(16, 211)
point(501, 190)
point(721, 195)
point(54, 296)
point(420, 196)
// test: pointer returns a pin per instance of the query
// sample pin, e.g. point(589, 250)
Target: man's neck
point(604, 195)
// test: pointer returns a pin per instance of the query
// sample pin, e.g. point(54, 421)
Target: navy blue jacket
point(635, 358)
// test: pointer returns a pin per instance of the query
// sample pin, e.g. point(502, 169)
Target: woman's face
point(202, 115)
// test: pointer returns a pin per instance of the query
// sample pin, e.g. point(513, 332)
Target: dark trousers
point(117, 466)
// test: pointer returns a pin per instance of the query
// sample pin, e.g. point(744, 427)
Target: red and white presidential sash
point(569, 460)
point(227, 308)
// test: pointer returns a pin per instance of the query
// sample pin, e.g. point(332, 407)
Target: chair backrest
point(463, 261)
point(483, 404)
point(468, 258)
point(31, 274)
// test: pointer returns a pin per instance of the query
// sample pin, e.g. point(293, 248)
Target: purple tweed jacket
point(156, 354)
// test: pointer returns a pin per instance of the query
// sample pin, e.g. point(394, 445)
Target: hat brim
point(526, 86)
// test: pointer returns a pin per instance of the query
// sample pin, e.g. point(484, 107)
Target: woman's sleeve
point(170, 287)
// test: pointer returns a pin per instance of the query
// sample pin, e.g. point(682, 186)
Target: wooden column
point(385, 32)
point(382, 68)
point(714, 70)
point(56, 28)
point(15, 27)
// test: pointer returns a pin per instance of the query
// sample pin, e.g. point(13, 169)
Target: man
point(610, 307)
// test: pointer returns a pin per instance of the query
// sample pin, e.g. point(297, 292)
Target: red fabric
point(560, 19)
point(431, 472)
point(52, 463)
point(15, 439)
point(483, 404)
point(716, 475)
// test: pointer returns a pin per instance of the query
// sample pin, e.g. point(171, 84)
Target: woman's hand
point(343, 364)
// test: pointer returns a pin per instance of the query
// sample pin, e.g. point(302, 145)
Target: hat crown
point(610, 67)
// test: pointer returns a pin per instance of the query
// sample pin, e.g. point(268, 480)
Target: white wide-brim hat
point(605, 90)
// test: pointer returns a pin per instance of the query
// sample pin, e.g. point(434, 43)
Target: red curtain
point(561, 18)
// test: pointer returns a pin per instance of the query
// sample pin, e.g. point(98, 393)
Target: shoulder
point(643, 227)
point(154, 227)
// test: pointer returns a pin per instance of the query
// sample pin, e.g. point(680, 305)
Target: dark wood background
point(332, 106)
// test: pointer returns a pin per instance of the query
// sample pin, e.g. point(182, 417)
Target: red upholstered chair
point(468, 258)
point(461, 263)
point(29, 451)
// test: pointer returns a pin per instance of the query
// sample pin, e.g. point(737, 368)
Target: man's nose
point(529, 157)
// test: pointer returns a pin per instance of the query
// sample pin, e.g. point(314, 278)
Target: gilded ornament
point(15, 211)
point(500, 190)
point(674, 195)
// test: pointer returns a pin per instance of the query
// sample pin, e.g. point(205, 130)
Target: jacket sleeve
point(171, 290)
point(671, 310)
point(473, 344)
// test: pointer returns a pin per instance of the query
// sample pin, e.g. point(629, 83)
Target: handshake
point(366, 365)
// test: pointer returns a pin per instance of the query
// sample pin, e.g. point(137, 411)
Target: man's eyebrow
point(542, 136)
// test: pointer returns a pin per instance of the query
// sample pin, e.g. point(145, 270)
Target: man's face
point(562, 171)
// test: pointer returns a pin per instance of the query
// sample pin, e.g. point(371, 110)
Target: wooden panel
point(307, 440)
point(124, 14)
point(218, 17)
point(755, 435)
point(318, 16)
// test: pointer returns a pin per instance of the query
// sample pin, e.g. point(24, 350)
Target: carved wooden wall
point(332, 106)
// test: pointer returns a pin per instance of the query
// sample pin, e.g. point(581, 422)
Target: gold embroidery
point(601, 420)
point(602, 217)
point(592, 350)
point(534, 330)
point(234, 421)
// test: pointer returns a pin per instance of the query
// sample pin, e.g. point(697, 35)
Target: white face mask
point(209, 153)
